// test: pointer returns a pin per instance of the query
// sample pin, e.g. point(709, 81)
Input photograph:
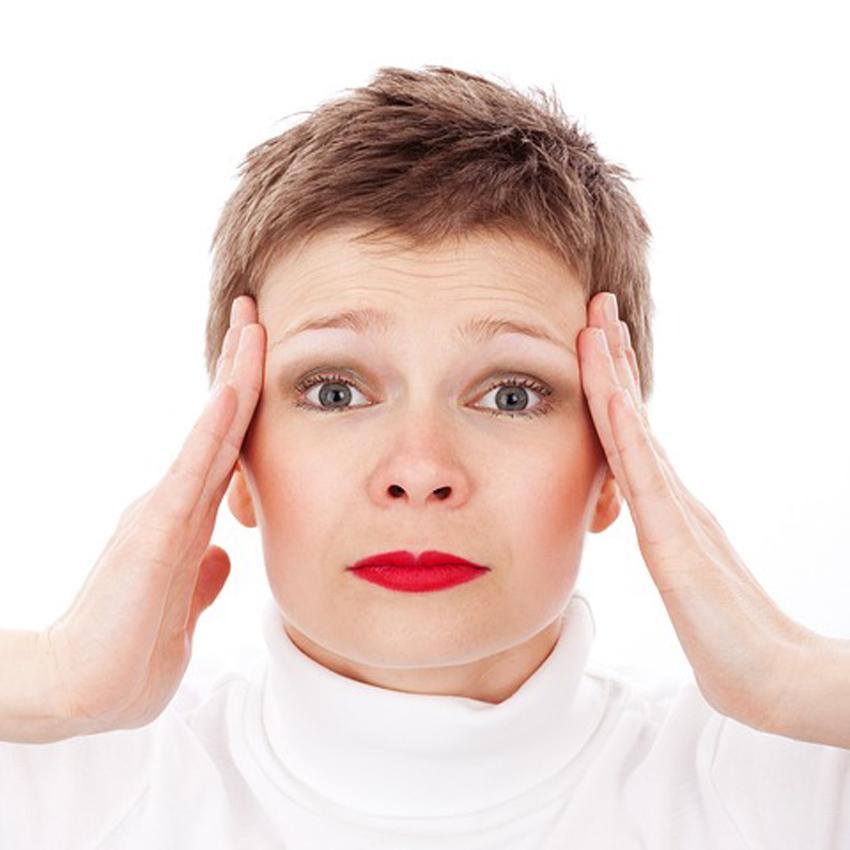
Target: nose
point(441, 493)
point(419, 481)
point(421, 464)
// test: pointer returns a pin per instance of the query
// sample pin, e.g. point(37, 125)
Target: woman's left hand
point(748, 657)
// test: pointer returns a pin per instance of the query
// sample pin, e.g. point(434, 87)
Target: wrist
point(30, 707)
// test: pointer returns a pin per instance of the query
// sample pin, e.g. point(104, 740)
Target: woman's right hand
point(120, 651)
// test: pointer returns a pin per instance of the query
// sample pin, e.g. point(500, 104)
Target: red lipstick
point(431, 570)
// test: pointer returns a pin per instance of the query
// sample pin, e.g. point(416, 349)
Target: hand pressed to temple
point(750, 660)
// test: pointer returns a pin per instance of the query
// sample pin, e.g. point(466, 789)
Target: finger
point(669, 529)
point(624, 360)
point(630, 354)
point(599, 381)
point(664, 532)
point(614, 336)
point(182, 499)
point(194, 454)
point(236, 365)
point(175, 498)
point(240, 315)
point(186, 563)
point(209, 504)
point(631, 357)
point(184, 484)
point(247, 380)
point(225, 358)
point(618, 339)
point(243, 312)
point(606, 383)
point(611, 373)
point(627, 370)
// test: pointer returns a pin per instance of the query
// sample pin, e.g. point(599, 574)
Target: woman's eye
point(332, 393)
point(510, 395)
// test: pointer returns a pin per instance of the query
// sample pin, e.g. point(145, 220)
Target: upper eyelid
point(303, 384)
point(540, 386)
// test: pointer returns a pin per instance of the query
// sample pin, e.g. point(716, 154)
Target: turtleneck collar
point(399, 754)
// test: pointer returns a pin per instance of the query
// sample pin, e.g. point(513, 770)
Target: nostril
point(442, 492)
point(395, 490)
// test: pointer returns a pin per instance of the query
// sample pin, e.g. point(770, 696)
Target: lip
point(405, 571)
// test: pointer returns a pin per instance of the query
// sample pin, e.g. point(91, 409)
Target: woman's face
point(422, 448)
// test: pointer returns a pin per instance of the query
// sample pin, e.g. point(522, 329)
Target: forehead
point(494, 271)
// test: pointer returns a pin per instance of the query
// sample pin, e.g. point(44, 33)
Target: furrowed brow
point(366, 320)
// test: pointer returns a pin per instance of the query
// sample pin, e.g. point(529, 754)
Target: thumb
point(212, 574)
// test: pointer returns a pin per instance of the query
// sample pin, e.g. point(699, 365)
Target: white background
point(123, 129)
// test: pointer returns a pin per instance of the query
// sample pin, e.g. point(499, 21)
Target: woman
point(429, 343)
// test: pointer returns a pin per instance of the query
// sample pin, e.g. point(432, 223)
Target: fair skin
point(419, 462)
point(412, 443)
point(423, 413)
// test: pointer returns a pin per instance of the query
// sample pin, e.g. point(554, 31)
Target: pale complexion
point(328, 487)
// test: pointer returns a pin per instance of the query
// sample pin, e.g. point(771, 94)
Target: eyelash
point(529, 383)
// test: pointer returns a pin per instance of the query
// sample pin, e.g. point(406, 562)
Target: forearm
point(27, 695)
point(816, 703)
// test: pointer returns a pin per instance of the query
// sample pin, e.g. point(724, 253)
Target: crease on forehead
point(333, 253)
point(477, 329)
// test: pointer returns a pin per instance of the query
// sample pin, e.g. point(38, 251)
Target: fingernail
point(610, 307)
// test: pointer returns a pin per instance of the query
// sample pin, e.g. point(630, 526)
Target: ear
point(608, 503)
point(239, 498)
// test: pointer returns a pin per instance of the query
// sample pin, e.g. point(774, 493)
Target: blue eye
point(339, 391)
point(339, 387)
point(519, 389)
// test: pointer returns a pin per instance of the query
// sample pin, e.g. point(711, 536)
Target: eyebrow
point(477, 329)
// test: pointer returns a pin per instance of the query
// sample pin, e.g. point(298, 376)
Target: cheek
point(549, 493)
point(289, 472)
point(306, 479)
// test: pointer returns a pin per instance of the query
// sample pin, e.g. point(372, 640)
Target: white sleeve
point(71, 793)
point(783, 794)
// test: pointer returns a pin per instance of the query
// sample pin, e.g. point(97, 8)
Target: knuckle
point(673, 547)
point(658, 487)
point(158, 535)
point(184, 471)
point(164, 512)
point(133, 508)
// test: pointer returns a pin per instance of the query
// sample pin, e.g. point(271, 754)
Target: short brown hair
point(423, 155)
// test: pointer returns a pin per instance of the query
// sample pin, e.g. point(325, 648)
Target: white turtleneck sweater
point(288, 754)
